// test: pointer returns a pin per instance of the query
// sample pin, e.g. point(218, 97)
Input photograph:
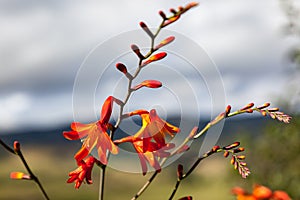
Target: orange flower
point(148, 151)
point(94, 135)
point(261, 192)
point(154, 127)
point(84, 171)
point(149, 142)
point(280, 195)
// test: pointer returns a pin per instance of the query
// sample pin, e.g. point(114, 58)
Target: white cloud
point(44, 43)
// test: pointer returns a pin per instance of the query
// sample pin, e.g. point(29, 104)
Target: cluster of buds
point(237, 160)
point(274, 113)
point(176, 13)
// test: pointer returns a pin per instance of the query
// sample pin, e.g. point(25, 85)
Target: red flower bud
point(215, 148)
point(121, 67)
point(180, 171)
point(162, 14)
point(146, 29)
point(17, 146)
point(137, 51)
point(227, 111)
point(172, 10)
point(186, 198)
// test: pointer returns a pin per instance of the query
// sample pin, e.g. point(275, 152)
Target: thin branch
point(17, 151)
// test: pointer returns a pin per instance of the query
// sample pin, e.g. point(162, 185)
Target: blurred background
point(255, 45)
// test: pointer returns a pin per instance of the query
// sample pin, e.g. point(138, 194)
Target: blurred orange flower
point(260, 192)
point(94, 135)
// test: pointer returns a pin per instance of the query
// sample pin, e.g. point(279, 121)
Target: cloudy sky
point(44, 45)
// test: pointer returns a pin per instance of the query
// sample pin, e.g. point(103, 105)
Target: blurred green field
point(210, 181)
point(272, 155)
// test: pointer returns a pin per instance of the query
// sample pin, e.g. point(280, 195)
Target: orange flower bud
point(241, 157)
point(146, 29)
point(265, 105)
point(263, 112)
point(193, 133)
point(215, 148)
point(171, 20)
point(232, 161)
point(249, 105)
point(249, 111)
point(231, 146)
point(165, 42)
point(240, 149)
point(17, 146)
point(226, 154)
point(149, 84)
point(273, 109)
point(155, 57)
point(19, 176)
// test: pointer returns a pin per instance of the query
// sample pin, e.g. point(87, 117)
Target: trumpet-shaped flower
point(84, 171)
point(148, 151)
point(154, 127)
point(149, 142)
point(94, 135)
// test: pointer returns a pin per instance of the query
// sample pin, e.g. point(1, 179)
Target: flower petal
point(106, 110)
point(73, 135)
point(82, 153)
